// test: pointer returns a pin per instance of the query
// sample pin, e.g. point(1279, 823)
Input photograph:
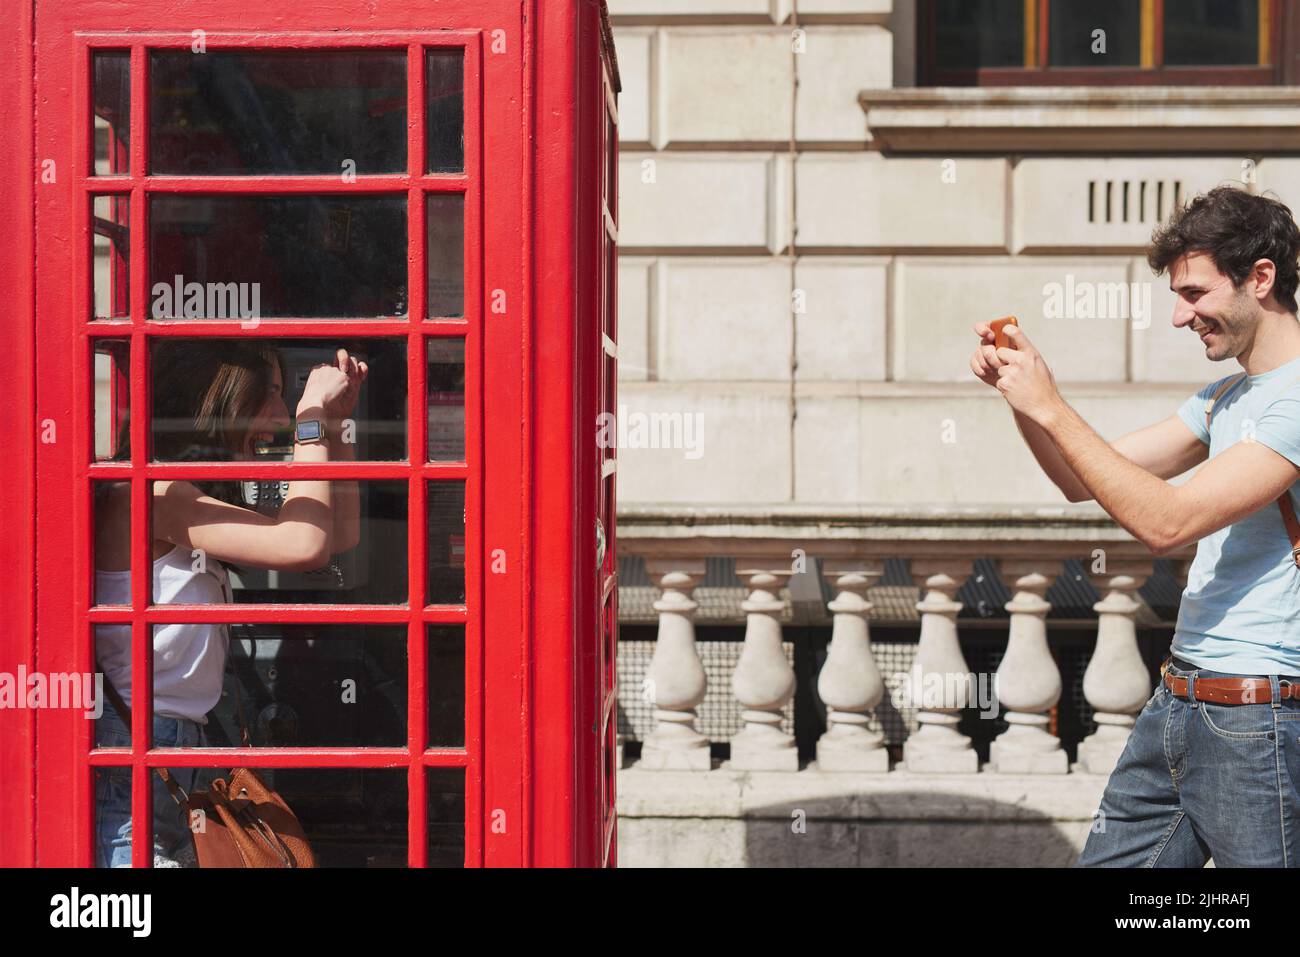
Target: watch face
point(308, 430)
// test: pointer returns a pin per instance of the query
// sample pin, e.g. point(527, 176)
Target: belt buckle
point(1167, 679)
point(1187, 684)
point(1285, 689)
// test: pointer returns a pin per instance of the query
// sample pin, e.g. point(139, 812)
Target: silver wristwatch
point(309, 430)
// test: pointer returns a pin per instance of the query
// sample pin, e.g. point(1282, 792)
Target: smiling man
point(1212, 764)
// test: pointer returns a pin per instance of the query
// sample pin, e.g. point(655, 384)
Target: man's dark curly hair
point(1236, 229)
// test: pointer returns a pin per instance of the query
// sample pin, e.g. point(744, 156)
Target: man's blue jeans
point(1200, 780)
point(171, 839)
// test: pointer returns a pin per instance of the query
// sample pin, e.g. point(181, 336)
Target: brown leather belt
point(1232, 690)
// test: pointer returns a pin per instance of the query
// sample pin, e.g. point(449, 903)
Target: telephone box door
point(252, 177)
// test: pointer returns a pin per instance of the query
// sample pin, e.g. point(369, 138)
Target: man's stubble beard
point(1236, 328)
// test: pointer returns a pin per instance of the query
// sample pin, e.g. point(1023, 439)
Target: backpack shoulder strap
point(1284, 500)
point(1292, 524)
point(1228, 384)
point(1288, 511)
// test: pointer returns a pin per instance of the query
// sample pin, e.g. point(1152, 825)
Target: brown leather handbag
point(239, 822)
point(246, 824)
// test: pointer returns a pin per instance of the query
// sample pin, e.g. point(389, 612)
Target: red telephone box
point(433, 185)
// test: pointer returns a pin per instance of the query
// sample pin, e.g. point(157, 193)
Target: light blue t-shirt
point(1240, 611)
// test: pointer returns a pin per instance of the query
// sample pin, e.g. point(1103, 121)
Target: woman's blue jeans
point(171, 838)
point(1200, 780)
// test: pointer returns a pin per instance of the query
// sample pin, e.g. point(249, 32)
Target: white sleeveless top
point(188, 660)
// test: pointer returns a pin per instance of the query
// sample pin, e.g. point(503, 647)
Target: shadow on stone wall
point(948, 831)
point(906, 828)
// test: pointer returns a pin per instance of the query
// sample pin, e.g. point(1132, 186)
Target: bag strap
point(1288, 510)
point(177, 792)
point(1284, 503)
point(1228, 384)
point(123, 712)
point(173, 788)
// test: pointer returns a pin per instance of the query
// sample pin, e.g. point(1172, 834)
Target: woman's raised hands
point(335, 388)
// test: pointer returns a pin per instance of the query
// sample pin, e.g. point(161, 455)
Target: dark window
point(320, 111)
point(444, 83)
point(1097, 33)
point(1219, 32)
point(307, 256)
point(1065, 42)
point(979, 33)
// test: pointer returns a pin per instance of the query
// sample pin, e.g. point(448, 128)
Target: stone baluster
point(1179, 568)
point(763, 681)
point(850, 684)
point(676, 681)
point(939, 683)
point(1028, 681)
point(1116, 683)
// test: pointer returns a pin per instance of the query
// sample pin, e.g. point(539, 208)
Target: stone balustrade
point(773, 549)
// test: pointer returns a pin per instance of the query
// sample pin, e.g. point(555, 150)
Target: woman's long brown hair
point(205, 394)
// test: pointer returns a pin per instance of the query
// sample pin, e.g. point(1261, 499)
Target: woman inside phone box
point(212, 401)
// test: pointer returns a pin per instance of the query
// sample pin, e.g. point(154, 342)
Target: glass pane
point(446, 543)
point(979, 33)
point(113, 661)
point(112, 111)
point(292, 111)
point(112, 651)
point(446, 387)
point(296, 685)
point(112, 516)
point(444, 87)
point(446, 686)
point(111, 256)
point(371, 571)
point(218, 257)
point(1073, 36)
point(113, 807)
point(611, 166)
point(609, 619)
point(352, 817)
point(1212, 32)
point(112, 399)
point(445, 250)
point(445, 823)
point(222, 399)
point(609, 754)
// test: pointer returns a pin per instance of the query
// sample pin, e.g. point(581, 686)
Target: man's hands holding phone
point(985, 362)
point(1019, 372)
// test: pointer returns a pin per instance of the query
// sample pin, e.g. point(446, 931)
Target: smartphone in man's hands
point(1000, 338)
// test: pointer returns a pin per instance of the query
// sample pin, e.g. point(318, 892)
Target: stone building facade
point(807, 236)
